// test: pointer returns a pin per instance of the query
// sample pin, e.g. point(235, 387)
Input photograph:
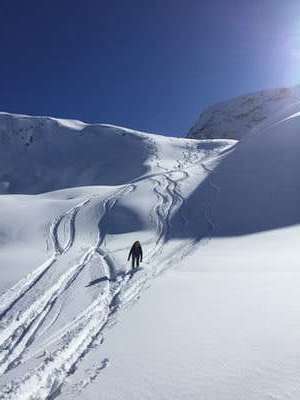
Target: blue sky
point(150, 65)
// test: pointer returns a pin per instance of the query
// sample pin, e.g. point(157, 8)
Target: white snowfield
point(219, 226)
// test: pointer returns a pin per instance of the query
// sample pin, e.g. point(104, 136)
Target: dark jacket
point(136, 251)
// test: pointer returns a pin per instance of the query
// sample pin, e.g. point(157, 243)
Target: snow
point(238, 117)
point(212, 313)
point(219, 336)
point(44, 154)
point(222, 324)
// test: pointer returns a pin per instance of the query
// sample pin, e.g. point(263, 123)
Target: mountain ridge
point(237, 117)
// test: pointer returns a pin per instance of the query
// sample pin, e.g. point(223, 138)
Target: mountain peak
point(237, 117)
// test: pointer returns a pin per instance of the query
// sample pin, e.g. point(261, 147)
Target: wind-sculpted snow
point(238, 117)
point(57, 314)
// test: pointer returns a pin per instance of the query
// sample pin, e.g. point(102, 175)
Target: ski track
point(71, 215)
point(75, 339)
point(166, 191)
point(85, 328)
point(14, 294)
point(17, 335)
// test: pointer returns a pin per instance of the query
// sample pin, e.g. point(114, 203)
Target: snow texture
point(218, 222)
point(235, 118)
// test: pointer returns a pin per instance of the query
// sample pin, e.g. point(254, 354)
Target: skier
point(136, 254)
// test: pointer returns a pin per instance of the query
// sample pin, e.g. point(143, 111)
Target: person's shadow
point(115, 279)
point(99, 280)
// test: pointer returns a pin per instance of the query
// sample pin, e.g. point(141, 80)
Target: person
point(136, 254)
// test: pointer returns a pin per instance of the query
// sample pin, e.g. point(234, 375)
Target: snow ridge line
point(208, 211)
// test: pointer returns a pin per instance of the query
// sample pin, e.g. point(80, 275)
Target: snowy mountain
point(235, 118)
point(219, 225)
point(66, 250)
point(40, 154)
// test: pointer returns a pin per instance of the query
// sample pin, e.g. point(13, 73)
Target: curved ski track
point(76, 338)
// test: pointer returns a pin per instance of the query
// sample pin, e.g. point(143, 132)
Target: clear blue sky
point(151, 65)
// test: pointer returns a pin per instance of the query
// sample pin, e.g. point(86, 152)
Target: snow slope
point(224, 325)
point(39, 154)
point(219, 218)
point(235, 118)
point(67, 279)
